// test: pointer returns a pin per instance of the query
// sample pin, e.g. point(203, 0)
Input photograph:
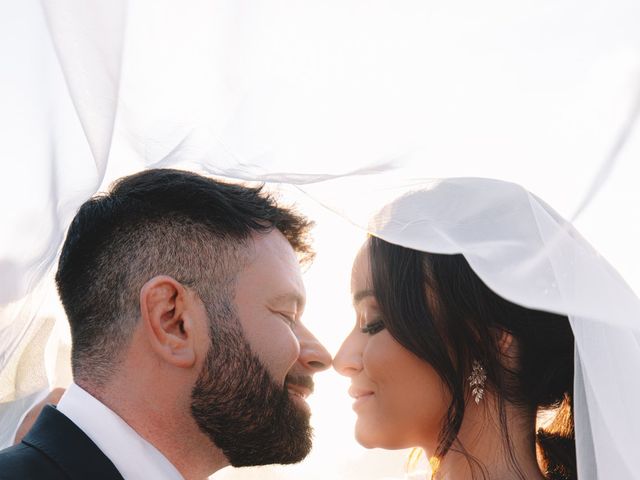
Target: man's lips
point(299, 385)
point(299, 390)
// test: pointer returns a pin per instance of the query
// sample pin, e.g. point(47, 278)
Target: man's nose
point(348, 360)
point(313, 355)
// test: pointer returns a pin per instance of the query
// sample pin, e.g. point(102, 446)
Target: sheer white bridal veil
point(343, 99)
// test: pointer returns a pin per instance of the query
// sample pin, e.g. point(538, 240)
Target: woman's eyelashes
point(373, 327)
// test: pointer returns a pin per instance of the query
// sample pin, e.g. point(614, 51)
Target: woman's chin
point(374, 438)
point(365, 434)
point(365, 440)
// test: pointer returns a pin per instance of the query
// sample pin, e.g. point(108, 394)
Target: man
point(184, 298)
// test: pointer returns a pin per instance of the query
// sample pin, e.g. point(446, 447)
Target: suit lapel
point(61, 440)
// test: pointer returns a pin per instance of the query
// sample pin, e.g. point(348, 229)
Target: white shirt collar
point(133, 456)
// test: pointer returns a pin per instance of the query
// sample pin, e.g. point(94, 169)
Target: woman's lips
point(361, 396)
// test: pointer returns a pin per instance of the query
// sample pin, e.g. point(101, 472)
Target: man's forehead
point(274, 246)
point(274, 266)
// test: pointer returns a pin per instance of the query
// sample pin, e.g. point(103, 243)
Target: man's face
point(249, 397)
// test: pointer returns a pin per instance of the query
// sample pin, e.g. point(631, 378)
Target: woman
point(439, 360)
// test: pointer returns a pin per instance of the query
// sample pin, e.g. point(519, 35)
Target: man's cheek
point(278, 350)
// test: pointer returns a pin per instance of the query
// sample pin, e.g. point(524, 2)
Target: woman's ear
point(168, 321)
point(507, 347)
point(505, 341)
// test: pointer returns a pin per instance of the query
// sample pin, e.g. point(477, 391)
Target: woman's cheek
point(377, 357)
point(411, 399)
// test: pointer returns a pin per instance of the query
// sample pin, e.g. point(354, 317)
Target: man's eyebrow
point(362, 294)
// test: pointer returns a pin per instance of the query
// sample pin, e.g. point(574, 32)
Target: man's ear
point(168, 320)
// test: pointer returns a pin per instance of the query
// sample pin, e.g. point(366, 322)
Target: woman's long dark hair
point(439, 309)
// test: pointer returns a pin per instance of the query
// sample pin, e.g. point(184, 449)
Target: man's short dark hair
point(157, 222)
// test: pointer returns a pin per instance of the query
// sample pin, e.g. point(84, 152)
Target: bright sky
point(531, 92)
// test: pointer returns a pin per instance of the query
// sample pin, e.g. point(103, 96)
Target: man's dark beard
point(235, 401)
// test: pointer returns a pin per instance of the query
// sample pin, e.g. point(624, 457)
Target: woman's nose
point(348, 360)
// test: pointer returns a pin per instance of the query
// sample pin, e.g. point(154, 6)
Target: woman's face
point(399, 398)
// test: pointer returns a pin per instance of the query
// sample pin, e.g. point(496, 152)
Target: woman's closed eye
point(373, 327)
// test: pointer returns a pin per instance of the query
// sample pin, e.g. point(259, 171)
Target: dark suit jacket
point(56, 449)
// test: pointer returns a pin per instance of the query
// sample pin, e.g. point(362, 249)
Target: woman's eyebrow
point(362, 294)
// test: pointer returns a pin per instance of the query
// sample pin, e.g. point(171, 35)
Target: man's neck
point(159, 419)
